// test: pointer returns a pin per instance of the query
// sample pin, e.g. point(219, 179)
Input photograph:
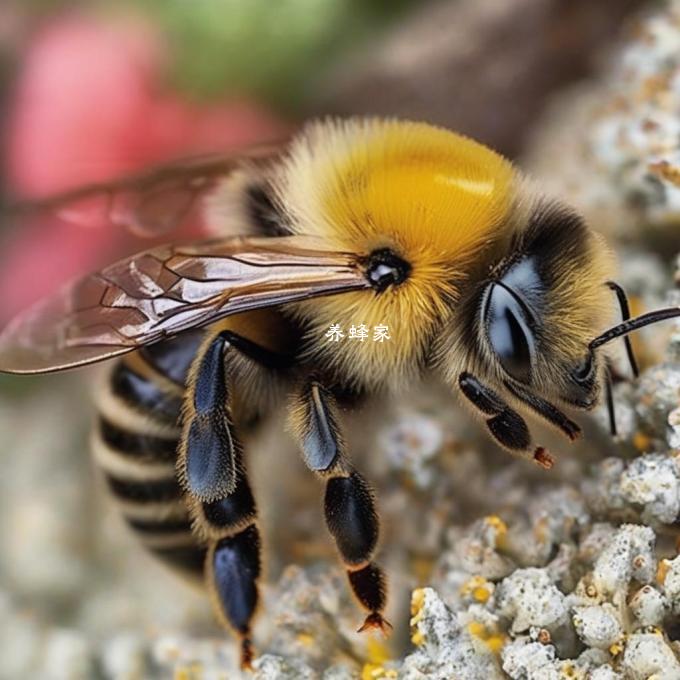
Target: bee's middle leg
point(348, 505)
point(212, 472)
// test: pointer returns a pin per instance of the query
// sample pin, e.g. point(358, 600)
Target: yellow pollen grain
point(472, 583)
point(476, 587)
point(616, 648)
point(305, 639)
point(376, 672)
point(491, 638)
point(495, 643)
point(481, 594)
point(501, 529)
point(662, 572)
point(417, 601)
point(370, 671)
point(641, 442)
point(377, 651)
point(477, 629)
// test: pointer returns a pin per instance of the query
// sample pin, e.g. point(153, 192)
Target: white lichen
point(628, 554)
point(271, 667)
point(653, 481)
point(648, 655)
point(598, 626)
point(525, 660)
point(649, 606)
point(671, 583)
point(445, 648)
point(529, 598)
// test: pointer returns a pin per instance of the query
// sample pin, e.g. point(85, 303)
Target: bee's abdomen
point(135, 445)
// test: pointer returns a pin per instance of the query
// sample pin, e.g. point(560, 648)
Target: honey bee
point(503, 292)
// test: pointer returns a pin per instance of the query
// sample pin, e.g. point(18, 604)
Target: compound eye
point(584, 368)
point(509, 333)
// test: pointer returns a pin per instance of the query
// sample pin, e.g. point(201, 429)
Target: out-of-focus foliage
point(274, 50)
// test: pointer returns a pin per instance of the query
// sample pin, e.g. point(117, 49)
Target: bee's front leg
point(349, 505)
point(505, 425)
point(549, 412)
point(212, 472)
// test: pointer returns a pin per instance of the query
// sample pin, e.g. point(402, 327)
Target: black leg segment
point(210, 445)
point(370, 588)
point(317, 426)
point(351, 517)
point(234, 569)
point(349, 505)
point(213, 474)
point(230, 513)
point(546, 410)
point(506, 426)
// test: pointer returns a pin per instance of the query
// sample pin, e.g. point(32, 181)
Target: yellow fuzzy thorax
point(434, 197)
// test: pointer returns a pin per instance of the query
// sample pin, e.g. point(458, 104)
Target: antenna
point(634, 324)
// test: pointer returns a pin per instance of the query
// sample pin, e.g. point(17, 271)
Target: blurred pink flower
point(88, 107)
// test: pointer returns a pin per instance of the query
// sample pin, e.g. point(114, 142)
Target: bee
point(504, 293)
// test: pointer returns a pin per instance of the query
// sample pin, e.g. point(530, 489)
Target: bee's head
point(530, 323)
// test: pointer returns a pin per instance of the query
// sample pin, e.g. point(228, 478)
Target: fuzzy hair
point(437, 199)
point(227, 211)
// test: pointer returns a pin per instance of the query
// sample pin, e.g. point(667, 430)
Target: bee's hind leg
point(233, 567)
point(349, 506)
point(212, 472)
point(505, 425)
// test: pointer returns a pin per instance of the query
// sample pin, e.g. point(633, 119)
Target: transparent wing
point(159, 293)
point(151, 203)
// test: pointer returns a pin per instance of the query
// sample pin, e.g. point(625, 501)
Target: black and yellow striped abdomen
point(135, 443)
